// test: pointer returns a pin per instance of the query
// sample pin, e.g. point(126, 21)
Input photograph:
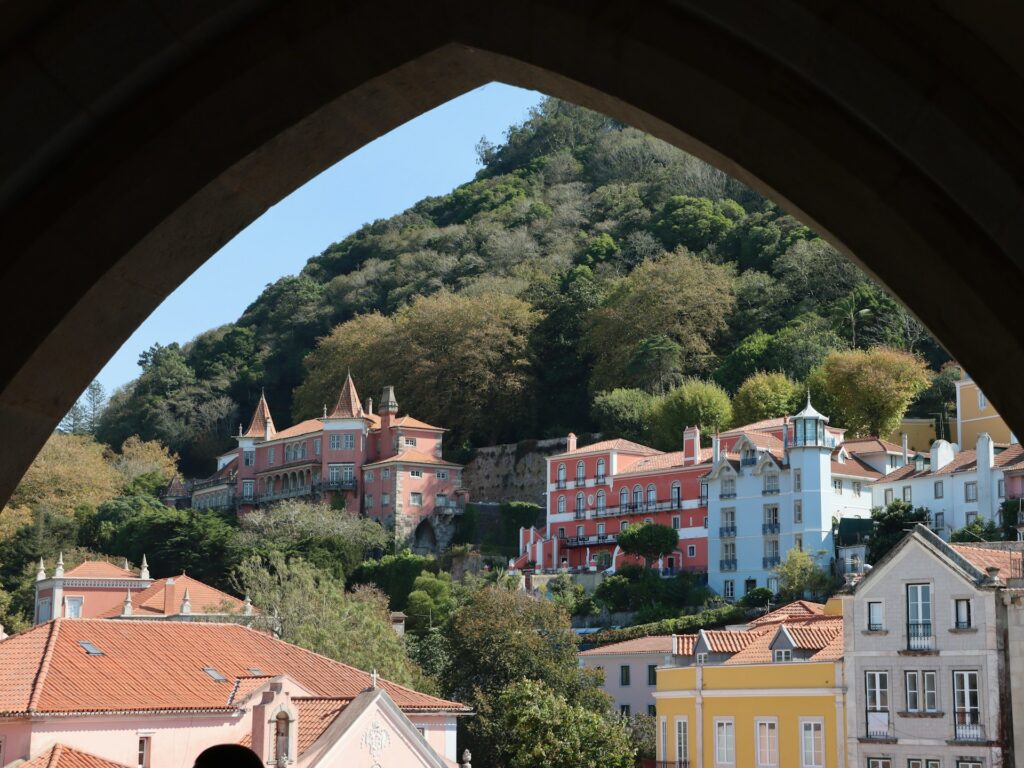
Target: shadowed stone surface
point(141, 136)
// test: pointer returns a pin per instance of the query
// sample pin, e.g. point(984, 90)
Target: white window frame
point(798, 512)
point(908, 494)
point(700, 659)
point(682, 733)
point(837, 486)
point(410, 441)
point(441, 474)
point(930, 690)
point(879, 762)
point(971, 492)
point(729, 589)
point(316, 446)
point(677, 521)
point(912, 690)
point(725, 742)
point(797, 480)
point(968, 615)
point(335, 442)
point(1000, 488)
point(560, 505)
point(780, 655)
point(249, 458)
point(856, 489)
point(415, 473)
point(663, 741)
point(691, 550)
point(248, 489)
point(816, 758)
point(78, 600)
point(888, 497)
point(766, 745)
point(145, 750)
point(415, 499)
point(348, 441)
point(773, 584)
point(938, 491)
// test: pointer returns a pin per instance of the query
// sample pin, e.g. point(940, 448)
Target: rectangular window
point(856, 489)
point(368, 499)
point(929, 678)
point(971, 491)
point(877, 685)
point(144, 751)
point(410, 441)
point(700, 659)
point(798, 512)
point(415, 473)
point(561, 532)
point(938, 489)
point(888, 496)
point(368, 475)
point(837, 486)
point(1001, 489)
point(798, 542)
point(767, 735)
point(441, 474)
point(652, 674)
point(316, 445)
point(913, 685)
point(773, 584)
point(600, 529)
point(691, 550)
point(879, 762)
point(348, 441)
point(682, 740)
point(676, 522)
point(348, 472)
point(248, 458)
point(812, 744)
point(771, 483)
point(729, 518)
point(415, 499)
point(385, 474)
point(729, 589)
point(875, 621)
point(385, 499)
point(271, 458)
point(624, 710)
point(248, 489)
point(725, 743)
point(797, 481)
point(440, 499)
point(919, 616)
point(624, 674)
point(783, 654)
point(334, 473)
point(982, 401)
point(963, 614)
point(335, 442)
point(74, 607)
point(966, 705)
point(728, 487)
point(579, 532)
point(907, 493)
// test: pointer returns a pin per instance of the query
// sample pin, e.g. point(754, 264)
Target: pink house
point(156, 694)
point(386, 466)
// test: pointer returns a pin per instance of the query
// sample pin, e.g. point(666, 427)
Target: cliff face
point(511, 472)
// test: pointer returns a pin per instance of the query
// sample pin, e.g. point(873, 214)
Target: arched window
point(580, 472)
point(623, 497)
point(638, 496)
point(561, 475)
point(579, 502)
point(652, 496)
point(600, 501)
point(600, 470)
point(282, 735)
point(561, 504)
point(677, 494)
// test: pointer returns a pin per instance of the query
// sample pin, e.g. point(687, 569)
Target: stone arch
point(864, 160)
point(424, 538)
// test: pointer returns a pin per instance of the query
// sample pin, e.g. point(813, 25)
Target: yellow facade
point(974, 415)
point(789, 695)
point(920, 434)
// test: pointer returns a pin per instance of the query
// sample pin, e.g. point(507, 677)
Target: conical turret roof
point(809, 412)
point(348, 405)
point(261, 419)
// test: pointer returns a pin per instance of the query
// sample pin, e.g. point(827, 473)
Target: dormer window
point(783, 654)
point(748, 457)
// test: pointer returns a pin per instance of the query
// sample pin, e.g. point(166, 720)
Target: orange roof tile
point(315, 716)
point(854, 467)
point(410, 422)
point(261, 420)
point(202, 599)
point(729, 641)
point(831, 652)
point(685, 644)
point(302, 428)
point(871, 445)
point(798, 609)
point(412, 456)
point(618, 444)
point(814, 635)
point(811, 634)
point(60, 756)
point(984, 558)
point(99, 569)
point(348, 405)
point(652, 644)
point(158, 666)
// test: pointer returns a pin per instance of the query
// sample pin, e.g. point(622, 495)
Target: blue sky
point(427, 156)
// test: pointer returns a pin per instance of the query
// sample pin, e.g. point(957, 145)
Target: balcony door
point(919, 616)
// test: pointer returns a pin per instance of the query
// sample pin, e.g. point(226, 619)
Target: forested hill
point(585, 256)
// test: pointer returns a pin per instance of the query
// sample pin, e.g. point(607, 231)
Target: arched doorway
point(424, 539)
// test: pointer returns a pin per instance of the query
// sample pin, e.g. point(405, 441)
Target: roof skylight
point(214, 674)
point(89, 648)
point(256, 671)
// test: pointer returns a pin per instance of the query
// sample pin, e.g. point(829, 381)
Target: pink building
point(156, 694)
point(386, 466)
point(597, 491)
point(97, 589)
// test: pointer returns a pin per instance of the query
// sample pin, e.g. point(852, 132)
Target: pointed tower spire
point(144, 571)
point(348, 406)
point(126, 565)
point(262, 424)
point(59, 572)
point(186, 603)
point(41, 573)
point(126, 606)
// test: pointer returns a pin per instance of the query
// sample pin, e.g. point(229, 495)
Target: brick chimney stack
point(570, 442)
point(691, 445)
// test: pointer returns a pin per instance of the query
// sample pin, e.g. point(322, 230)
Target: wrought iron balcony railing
point(770, 562)
point(919, 636)
point(727, 532)
point(727, 565)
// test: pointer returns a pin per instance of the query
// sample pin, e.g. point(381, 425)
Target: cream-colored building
point(629, 670)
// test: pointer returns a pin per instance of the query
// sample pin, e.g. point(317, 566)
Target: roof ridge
point(44, 665)
point(55, 754)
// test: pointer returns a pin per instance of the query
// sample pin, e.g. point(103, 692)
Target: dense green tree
point(749, 356)
point(800, 576)
point(694, 222)
point(656, 365)
point(978, 530)
point(531, 725)
point(892, 523)
point(649, 541)
point(624, 413)
point(764, 396)
point(394, 575)
point(800, 346)
point(430, 602)
point(698, 403)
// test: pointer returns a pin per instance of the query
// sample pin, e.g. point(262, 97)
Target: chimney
point(942, 454)
point(126, 607)
point(388, 404)
point(906, 455)
point(691, 445)
point(186, 604)
point(570, 442)
point(169, 602)
point(785, 434)
point(715, 449)
point(985, 451)
point(144, 571)
point(369, 405)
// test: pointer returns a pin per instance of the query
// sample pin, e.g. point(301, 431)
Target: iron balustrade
point(286, 493)
point(727, 565)
point(727, 532)
point(561, 484)
point(673, 764)
point(727, 495)
point(770, 492)
point(600, 479)
point(962, 624)
point(585, 541)
point(579, 514)
point(967, 726)
point(336, 485)
point(748, 461)
point(919, 636)
point(770, 562)
point(200, 485)
point(580, 482)
point(875, 627)
point(770, 528)
point(878, 724)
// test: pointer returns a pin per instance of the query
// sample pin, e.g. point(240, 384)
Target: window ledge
point(908, 652)
point(970, 743)
point(879, 740)
point(963, 630)
point(921, 714)
point(876, 632)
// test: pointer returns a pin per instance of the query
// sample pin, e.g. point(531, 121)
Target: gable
point(911, 548)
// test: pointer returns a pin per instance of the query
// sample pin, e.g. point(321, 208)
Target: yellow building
point(770, 695)
point(975, 414)
point(920, 434)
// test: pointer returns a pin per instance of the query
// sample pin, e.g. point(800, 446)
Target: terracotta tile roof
point(765, 424)
point(764, 440)
point(261, 419)
point(815, 635)
point(652, 644)
point(965, 461)
point(811, 634)
point(757, 651)
point(660, 461)
point(315, 717)
point(59, 756)
point(99, 569)
point(685, 644)
point(202, 599)
point(854, 467)
point(798, 609)
point(348, 405)
point(175, 487)
point(412, 456)
point(302, 428)
point(831, 652)
point(984, 558)
point(246, 687)
point(618, 444)
point(729, 641)
point(158, 666)
point(228, 469)
point(871, 445)
point(410, 422)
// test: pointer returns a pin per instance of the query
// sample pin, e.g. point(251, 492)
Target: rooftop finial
point(325, 410)
point(59, 571)
point(186, 603)
point(41, 573)
point(126, 606)
point(144, 571)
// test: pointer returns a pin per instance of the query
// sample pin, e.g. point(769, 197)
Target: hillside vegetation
point(585, 256)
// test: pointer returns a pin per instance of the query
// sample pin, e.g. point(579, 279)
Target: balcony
point(672, 764)
point(286, 493)
point(878, 726)
point(727, 565)
point(561, 485)
point(769, 528)
point(919, 636)
point(336, 485)
point(703, 500)
point(600, 479)
point(727, 532)
point(770, 491)
point(449, 508)
point(586, 541)
point(967, 727)
point(580, 482)
point(579, 514)
point(727, 495)
point(200, 485)
point(770, 562)
point(748, 461)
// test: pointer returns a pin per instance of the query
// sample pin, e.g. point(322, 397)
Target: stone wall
point(511, 472)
